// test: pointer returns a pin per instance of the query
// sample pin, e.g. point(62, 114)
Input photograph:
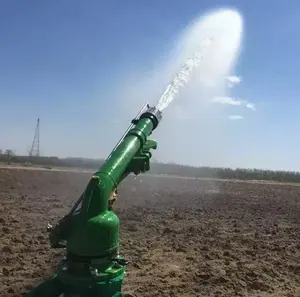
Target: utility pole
point(35, 147)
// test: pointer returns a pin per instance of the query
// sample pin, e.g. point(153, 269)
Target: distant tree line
point(52, 161)
point(226, 173)
point(158, 168)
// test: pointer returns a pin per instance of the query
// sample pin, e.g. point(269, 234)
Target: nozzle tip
point(154, 114)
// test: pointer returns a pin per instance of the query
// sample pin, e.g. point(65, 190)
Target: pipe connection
point(154, 114)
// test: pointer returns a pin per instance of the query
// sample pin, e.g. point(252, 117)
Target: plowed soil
point(182, 237)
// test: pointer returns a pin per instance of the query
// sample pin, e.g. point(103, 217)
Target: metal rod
point(76, 205)
point(128, 129)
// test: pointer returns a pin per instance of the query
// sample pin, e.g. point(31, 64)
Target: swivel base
point(85, 279)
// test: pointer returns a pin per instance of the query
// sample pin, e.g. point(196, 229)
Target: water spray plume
point(182, 77)
point(210, 35)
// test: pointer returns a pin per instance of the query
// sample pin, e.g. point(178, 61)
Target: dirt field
point(182, 237)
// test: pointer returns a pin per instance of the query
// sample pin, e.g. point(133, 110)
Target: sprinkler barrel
point(93, 266)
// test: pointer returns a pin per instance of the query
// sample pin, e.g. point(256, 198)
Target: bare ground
point(182, 237)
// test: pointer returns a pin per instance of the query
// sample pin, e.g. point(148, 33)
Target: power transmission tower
point(35, 147)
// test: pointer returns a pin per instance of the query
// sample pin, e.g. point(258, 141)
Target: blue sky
point(64, 61)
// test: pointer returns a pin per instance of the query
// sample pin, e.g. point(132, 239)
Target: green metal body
point(93, 266)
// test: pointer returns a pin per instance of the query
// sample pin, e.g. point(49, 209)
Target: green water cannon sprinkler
point(93, 266)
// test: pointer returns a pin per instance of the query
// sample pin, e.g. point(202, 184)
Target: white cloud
point(250, 106)
point(233, 101)
point(233, 80)
point(227, 100)
point(235, 117)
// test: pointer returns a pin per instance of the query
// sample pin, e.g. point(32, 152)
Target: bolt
point(93, 271)
point(64, 268)
point(49, 227)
